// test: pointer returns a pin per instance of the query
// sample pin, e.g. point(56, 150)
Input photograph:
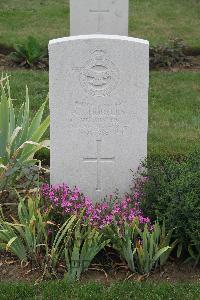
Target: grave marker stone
point(99, 16)
point(99, 111)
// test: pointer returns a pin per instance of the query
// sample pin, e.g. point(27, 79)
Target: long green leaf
point(159, 253)
point(25, 122)
point(12, 118)
point(36, 121)
point(28, 151)
point(4, 122)
point(12, 140)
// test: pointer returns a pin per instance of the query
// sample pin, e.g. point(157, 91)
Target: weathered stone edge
point(97, 36)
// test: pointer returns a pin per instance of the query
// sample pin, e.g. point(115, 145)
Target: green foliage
point(168, 55)
point(142, 249)
point(33, 237)
point(57, 244)
point(165, 240)
point(194, 251)
point(172, 193)
point(152, 248)
point(87, 242)
point(26, 235)
point(29, 53)
point(20, 139)
point(123, 241)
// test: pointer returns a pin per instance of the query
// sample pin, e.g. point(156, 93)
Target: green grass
point(43, 19)
point(38, 85)
point(174, 112)
point(58, 290)
point(156, 20)
point(160, 20)
point(174, 107)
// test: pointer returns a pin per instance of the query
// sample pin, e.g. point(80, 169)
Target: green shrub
point(28, 54)
point(33, 237)
point(168, 55)
point(143, 249)
point(87, 242)
point(57, 239)
point(153, 248)
point(28, 236)
point(20, 137)
point(27, 233)
point(172, 193)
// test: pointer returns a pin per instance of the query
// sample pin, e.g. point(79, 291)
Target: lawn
point(174, 107)
point(59, 290)
point(155, 20)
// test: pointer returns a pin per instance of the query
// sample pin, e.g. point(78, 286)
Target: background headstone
point(99, 111)
point(99, 16)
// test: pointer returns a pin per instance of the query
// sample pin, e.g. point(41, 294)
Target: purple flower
point(72, 202)
point(136, 195)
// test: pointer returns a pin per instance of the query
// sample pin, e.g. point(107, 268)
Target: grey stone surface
point(99, 111)
point(99, 16)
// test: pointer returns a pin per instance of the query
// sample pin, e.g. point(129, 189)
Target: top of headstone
point(99, 16)
point(98, 36)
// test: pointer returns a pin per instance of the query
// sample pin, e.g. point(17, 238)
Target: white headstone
point(99, 16)
point(99, 111)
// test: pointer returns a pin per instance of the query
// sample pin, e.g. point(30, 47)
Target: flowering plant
point(69, 202)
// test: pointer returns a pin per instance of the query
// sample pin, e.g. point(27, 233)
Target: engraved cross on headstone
point(100, 11)
point(99, 161)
